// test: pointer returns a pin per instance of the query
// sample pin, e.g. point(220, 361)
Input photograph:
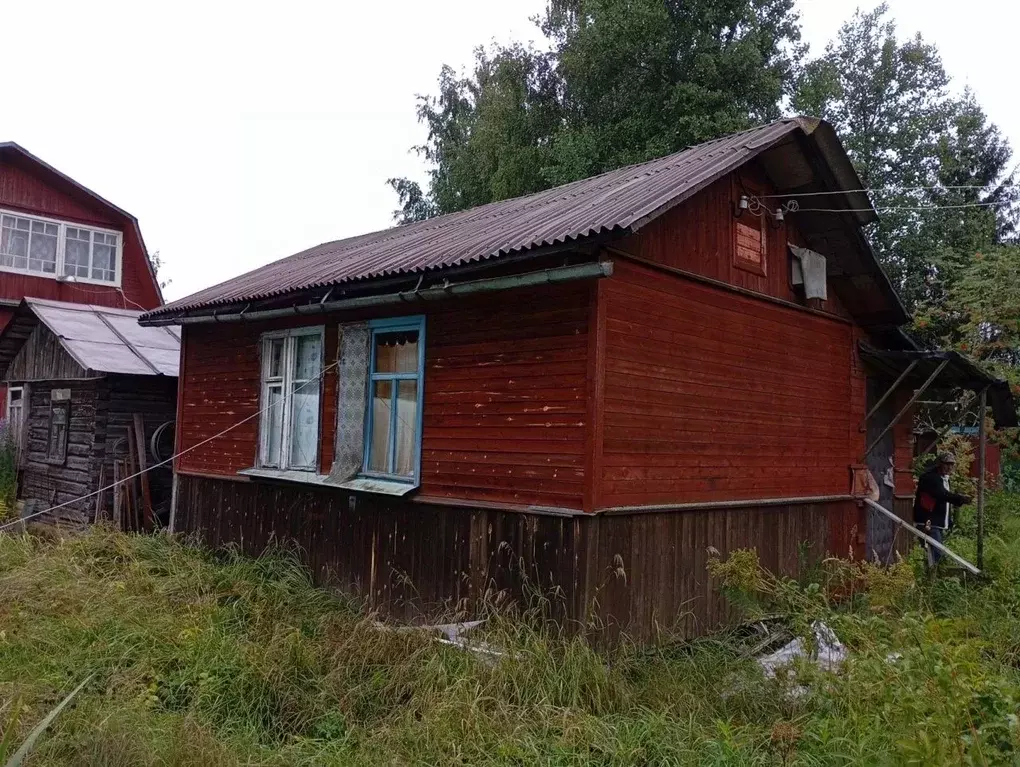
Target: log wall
point(45, 484)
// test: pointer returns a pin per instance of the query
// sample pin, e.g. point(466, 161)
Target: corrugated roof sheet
point(618, 200)
point(110, 340)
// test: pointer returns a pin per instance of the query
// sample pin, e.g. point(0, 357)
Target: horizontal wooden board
point(505, 396)
point(714, 395)
point(627, 573)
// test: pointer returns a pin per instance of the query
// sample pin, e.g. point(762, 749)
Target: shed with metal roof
point(78, 378)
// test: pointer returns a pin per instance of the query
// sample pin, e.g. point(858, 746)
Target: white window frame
point(7, 412)
point(10, 391)
point(62, 226)
point(285, 383)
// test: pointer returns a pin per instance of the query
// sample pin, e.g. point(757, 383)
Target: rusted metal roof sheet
point(108, 340)
point(620, 200)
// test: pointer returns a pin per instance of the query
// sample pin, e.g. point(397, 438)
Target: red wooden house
point(580, 390)
point(63, 242)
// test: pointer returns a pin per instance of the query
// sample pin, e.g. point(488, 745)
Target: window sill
point(750, 266)
point(381, 486)
point(362, 484)
point(288, 475)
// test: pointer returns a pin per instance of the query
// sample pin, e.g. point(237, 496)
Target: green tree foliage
point(987, 296)
point(624, 81)
point(489, 134)
point(157, 266)
point(891, 102)
point(986, 302)
point(643, 79)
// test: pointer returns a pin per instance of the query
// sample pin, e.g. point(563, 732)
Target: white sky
point(239, 133)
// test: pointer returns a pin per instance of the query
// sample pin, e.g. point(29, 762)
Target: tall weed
point(8, 470)
point(225, 660)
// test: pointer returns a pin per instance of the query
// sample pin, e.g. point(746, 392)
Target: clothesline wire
point(893, 190)
point(119, 482)
point(905, 207)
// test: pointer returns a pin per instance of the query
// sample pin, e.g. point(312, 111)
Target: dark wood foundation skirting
point(627, 572)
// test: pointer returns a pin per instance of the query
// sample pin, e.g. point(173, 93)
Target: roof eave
point(827, 142)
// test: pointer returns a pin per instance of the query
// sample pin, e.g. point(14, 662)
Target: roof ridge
point(621, 198)
point(123, 339)
point(406, 230)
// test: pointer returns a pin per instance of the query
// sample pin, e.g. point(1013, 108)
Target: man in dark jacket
point(933, 500)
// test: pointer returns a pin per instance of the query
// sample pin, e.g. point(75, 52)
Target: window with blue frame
point(393, 420)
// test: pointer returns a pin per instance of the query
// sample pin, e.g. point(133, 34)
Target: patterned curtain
point(352, 378)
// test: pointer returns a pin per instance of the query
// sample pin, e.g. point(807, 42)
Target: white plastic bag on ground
point(829, 655)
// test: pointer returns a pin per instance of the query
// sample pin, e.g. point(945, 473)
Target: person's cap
point(947, 458)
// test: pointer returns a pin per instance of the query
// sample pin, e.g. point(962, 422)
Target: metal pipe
point(724, 504)
point(909, 369)
point(910, 404)
point(530, 279)
point(982, 441)
point(926, 538)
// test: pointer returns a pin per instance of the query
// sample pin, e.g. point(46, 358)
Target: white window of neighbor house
point(28, 245)
point(90, 255)
point(291, 395)
point(58, 249)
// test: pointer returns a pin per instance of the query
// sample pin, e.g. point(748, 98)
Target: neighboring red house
point(580, 390)
point(61, 241)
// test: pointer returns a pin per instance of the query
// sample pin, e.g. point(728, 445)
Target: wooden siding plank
point(505, 408)
point(699, 236)
point(717, 396)
point(638, 573)
point(24, 191)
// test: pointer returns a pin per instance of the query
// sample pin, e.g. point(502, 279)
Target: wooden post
point(174, 490)
point(101, 495)
point(118, 492)
point(906, 408)
point(874, 408)
point(139, 425)
point(130, 500)
point(982, 441)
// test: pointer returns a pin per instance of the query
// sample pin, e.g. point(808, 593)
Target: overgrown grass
point(206, 661)
point(8, 470)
